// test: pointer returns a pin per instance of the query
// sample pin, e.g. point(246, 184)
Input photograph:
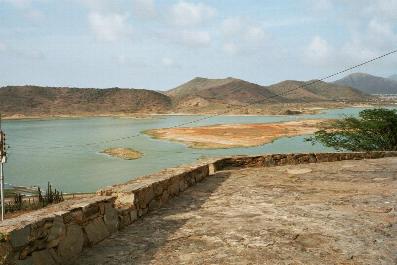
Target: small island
point(235, 135)
point(123, 153)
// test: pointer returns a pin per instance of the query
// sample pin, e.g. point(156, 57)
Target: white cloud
point(3, 47)
point(19, 3)
point(386, 9)
point(240, 36)
point(318, 49)
point(231, 26)
point(168, 62)
point(109, 27)
point(321, 5)
point(191, 14)
point(255, 34)
point(98, 5)
point(144, 8)
point(230, 48)
point(195, 38)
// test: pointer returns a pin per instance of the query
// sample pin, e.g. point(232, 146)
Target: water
point(36, 155)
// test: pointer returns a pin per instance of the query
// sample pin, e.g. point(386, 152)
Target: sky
point(159, 44)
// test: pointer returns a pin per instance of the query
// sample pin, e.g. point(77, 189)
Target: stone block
point(173, 189)
point(183, 185)
point(133, 215)
point(90, 211)
point(154, 204)
point(125, 220)
point(43, 257)
point(111, 218)
point(96, 230)
point(5, 252)
point(125, 199)
point(158, 187)
point(72, 244)
point(20, 237)
point(27, 261)
point(56, 232)
point(76, 216)
point(142, 212)
point(164, 197)
point(144, 196)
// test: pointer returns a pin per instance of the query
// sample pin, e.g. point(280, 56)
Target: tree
point(373, 130)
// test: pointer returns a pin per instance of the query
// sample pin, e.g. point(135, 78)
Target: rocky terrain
point(37, 101)
point(198, 96)
point(369, 84)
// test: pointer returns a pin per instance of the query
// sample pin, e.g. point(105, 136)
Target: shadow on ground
point(139, 242)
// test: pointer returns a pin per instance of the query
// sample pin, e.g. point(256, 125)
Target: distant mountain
point(393, 77)
point(369, 84)
point(228, 90)
point(200, 95)
point(36, 101)
point(318, 91)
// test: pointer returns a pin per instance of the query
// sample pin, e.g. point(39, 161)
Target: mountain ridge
point(199, 95)
point(369, 84)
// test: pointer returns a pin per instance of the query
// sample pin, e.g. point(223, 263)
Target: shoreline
point(309, 111)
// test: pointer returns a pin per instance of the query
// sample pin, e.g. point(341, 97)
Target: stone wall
point(57, 234)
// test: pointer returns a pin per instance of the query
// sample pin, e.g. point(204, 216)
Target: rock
point(96, 231)
point(111, 218)
point(27, 261)
point(72, 244)
point(133, 215)
point(125, 220)
point(43, 257)
point(20, 237)
point(91, 211)
point(5, 252)
point(57, 232)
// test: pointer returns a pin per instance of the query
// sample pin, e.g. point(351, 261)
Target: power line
point(293, 89)
point(306, 84)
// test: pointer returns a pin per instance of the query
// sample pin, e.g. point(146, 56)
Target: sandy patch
point(123, 153)
point(235, 135)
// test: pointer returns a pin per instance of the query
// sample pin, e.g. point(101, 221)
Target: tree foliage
point(373, 130)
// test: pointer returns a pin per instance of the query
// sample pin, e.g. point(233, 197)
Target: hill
point(393, 77)
point(369, 84)
point(53, 101)
point(300, 91)
point(231, 90)
point(226, 91)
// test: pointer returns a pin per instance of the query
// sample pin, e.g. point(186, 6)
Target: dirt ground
point(326, 213)
point(235, 135)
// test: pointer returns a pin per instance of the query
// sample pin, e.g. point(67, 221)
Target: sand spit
point(235, 135)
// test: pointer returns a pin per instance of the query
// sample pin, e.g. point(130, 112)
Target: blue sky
point(159, 44)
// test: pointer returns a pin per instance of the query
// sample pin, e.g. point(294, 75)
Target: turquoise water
point(36, 154)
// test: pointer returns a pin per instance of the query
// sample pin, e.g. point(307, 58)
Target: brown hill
point(202, 92)
point(38, 101)
point(223, 91)
point(369, 83)
point(300, 91)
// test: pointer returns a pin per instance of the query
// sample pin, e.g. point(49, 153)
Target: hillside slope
point(369, 84)
point(228, 90)
point(393, 77)
point(36, 101)
point(231, 90)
